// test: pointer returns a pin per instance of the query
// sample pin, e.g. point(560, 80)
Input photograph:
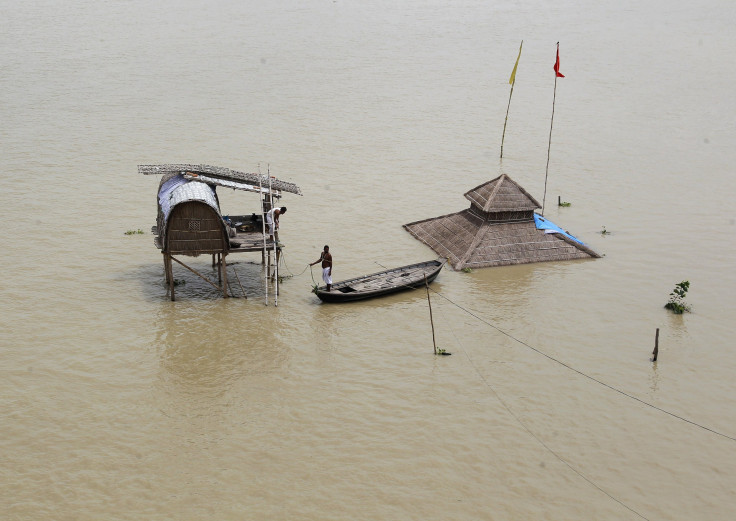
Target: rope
point(523, 425)
point(586, 375)
point(283, 259)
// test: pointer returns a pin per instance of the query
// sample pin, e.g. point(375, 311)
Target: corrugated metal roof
point(178, 190)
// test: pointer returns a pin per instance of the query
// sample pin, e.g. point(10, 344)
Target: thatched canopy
point(499, 228)
point(215, 173)
point(502, 194)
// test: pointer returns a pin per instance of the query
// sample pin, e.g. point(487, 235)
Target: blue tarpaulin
point(550, 227)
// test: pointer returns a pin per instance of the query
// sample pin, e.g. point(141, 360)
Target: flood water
point(116, 403)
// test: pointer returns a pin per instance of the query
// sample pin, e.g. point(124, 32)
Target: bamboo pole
point(263, 223)
point(170, 269)
point(224, 276)
point(431, 320)
point(218, 288)
point(513, 82)
point(239, 283)
point(166, 269)
point(551, 122)
point(275, 242)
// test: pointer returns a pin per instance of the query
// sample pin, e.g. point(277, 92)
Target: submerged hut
point(189, 220)
point(500, 228)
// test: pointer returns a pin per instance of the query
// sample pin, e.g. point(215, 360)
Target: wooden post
point(239, 283)
point(170, 267)
point(276, 274)
point(263, 223)
point(224, 276)
point(166, 269)
point(656, 346)
point(431, 320)
point(559, 200)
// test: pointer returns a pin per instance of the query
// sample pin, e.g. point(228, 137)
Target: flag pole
point(551, 122)
point(512, 81)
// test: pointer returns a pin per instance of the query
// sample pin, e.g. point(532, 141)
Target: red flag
point(557, 64)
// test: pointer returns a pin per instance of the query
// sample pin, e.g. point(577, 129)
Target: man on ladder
point(272, 220)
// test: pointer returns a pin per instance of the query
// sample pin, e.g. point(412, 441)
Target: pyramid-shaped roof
point(501, 194)
point(504, 232)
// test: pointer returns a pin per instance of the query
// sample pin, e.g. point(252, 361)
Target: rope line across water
point(584, 374)
point(527, 429)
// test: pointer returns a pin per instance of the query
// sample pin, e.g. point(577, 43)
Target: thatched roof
point(215, 173)
point(502, 194)
point(499, 228)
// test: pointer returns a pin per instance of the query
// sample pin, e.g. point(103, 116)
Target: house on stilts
point(190, 223)
point(500, 228)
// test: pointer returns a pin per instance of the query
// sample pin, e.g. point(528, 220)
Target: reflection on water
point(208, 348)
point(654, 380)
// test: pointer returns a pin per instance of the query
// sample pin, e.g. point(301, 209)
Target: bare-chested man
point(326, 259)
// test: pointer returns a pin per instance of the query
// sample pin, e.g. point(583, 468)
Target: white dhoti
point(326, 276)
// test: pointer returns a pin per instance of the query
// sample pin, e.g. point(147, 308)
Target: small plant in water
point(677, 298)
point(134, 232)
point(605, 232)
point(467, 270)
point(442, 352)
point(564, 203)
point(179, 282)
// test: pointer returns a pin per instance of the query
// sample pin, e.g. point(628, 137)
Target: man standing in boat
point(326, 259)
point(272, 221)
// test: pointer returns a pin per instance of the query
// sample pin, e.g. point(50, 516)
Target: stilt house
point(189, 220)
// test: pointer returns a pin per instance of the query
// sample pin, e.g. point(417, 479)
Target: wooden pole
point(170, 270)
point(218, 288)
point(275, 241)
point(263, 222)
point(431, 320)
point(166, 270)
point(513, 82)
point(656, 346)
point(224, 276)
point(549, 145)
point(239, 283)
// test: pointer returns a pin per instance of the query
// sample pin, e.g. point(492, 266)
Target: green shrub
point(677, 298)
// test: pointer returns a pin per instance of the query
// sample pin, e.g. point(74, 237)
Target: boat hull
point(381, 283)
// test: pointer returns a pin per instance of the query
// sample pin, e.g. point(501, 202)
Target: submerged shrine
point(500, 228)
point(190, 223)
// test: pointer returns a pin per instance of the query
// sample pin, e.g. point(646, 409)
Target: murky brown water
point(116, 403)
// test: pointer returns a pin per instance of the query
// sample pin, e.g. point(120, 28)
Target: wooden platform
point(246, 241)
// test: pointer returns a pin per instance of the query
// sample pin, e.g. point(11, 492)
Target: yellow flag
point(512, 79)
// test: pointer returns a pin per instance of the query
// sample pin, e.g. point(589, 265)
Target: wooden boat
point(381, 283)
